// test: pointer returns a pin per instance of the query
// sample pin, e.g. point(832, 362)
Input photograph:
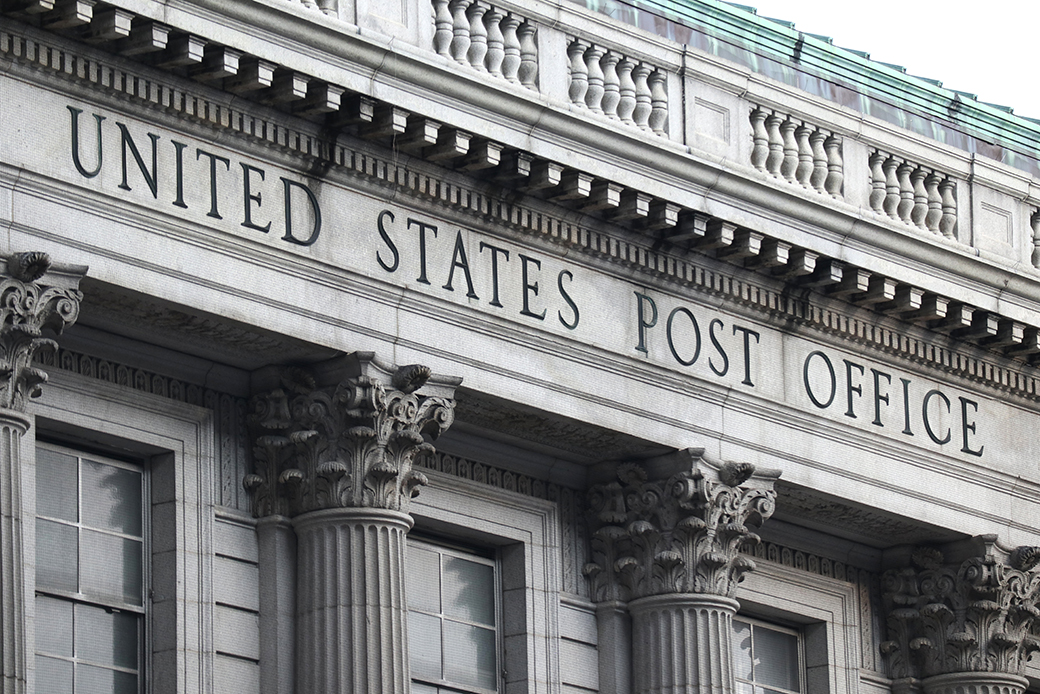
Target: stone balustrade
point(913, 194)
point(797, 151)
point(592, 71)
point(488, 39)
point(609, 83)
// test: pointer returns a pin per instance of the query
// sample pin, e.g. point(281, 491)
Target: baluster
point(920, 210)
point(658, 102)
point(1034, 221)
point(776, 144)
point(891, 187)
point(641, 114)
point(877, 182)
point(931, 219)
point(443, 31)
point(496, 49)
point(835, 167)
point(626, 91)
point(511, 48)
point(948, 223)
point(460, 30)
point(579, 72)
point(594, 95)
point(478, 45)
point(805, 164)
point(611, 84)
point(329, 8)
point(819, 158)
point(906, 192)
point(528, 72)
point(790, 163)
point(760, 138)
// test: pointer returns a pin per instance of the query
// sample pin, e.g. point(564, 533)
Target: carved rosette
point(32, 298)
point(352, 444)
point(981, 614)
point(680, 534)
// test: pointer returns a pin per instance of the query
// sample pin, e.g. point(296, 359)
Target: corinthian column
point(33, 296)
point(335, 454)
point(666, 539)
point(964, 619)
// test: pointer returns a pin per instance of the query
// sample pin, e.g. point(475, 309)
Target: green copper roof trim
point(882, 91)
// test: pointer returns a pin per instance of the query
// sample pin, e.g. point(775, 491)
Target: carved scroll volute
point(354, 443)
point(978, 615)
point(682, 534)
point(33, 296)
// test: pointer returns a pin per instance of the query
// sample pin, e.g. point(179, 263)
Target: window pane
point(106, 638)
point(424, 645)
point(469, 655)
point(56, 556)
point(742, 650)
point(54, 627)
point(469, 590)
point(777, 655)
point(111, 498)
point(423, 580)
point(111, 567)
point(53, 676)
point(56, 495)
point(96, 680)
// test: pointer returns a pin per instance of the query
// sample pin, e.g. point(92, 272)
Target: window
point(452, 620)
point(766, 658)
point(89, 573)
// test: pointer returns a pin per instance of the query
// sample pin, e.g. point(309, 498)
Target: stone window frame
point(825, 609)
point(525, 533)
point(174, 440)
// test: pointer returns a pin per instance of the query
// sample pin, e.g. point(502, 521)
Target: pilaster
point(667, 536)
point(335, 457)
point(34, 296)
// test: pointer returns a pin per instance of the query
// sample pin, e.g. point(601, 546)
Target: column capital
point(675, 524)
point(344, 433)
point(967, 607)
point(34, 295)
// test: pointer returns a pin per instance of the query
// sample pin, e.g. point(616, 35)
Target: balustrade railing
point(609, 83)
point(913, 194)
point(797, 151)
point(327, 7)
point(488, 39)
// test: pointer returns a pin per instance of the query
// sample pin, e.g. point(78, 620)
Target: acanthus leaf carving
point(679, 533)
point(33, 296)
point(979, 614)
point(349, 439)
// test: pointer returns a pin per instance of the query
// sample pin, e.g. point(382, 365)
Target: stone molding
point(965, 609)
point(679, 532)
point(975, 683)
point(647, 254)
point(344, 435)
point(34, 295)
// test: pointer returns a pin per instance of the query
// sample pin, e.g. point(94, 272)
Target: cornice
point(802, 289)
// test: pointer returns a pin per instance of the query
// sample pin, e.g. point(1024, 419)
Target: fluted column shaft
point(351, 609)
point(975, 683)
point(681, 644)
point(13, 641)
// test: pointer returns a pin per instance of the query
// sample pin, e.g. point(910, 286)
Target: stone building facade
point(541, 347)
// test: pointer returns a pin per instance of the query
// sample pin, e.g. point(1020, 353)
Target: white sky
point(988, 48)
